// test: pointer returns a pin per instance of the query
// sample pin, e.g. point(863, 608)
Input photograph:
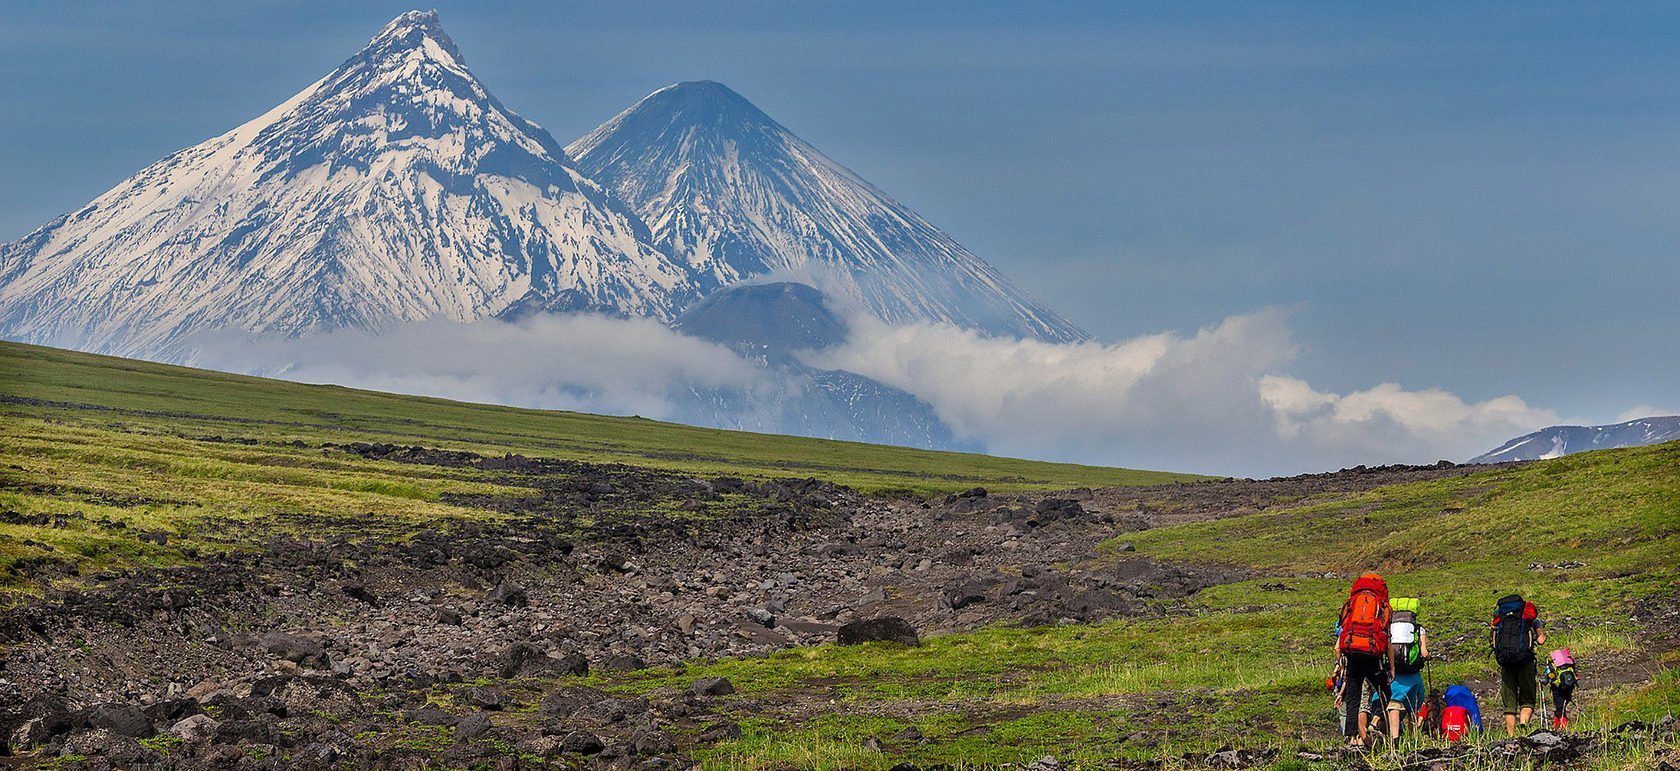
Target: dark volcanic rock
point(570, 699)
point(294, 648)
point(473, 726)
point(711, 686)
point(431, 716)
point(884, 629)
point(511, 595)
point(961, 594)
point(482, 698)
point(582, 743)
point(722, 732)
point(120, 719)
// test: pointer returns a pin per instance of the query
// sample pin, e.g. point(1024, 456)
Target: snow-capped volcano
point(1558, 441)
point(736, 195)
point(396, 188)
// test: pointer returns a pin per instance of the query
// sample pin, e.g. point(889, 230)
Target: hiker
point(1459, 713)
point(1362, 646)
point(1517, 628)
point(1408, 652)
point(1560, 675)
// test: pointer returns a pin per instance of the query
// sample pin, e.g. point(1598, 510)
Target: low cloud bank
point(581, 362)
point(1219, 401)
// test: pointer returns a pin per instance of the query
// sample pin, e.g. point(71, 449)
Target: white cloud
point(1645, 411)
point(582, 362)
point(1217, 401)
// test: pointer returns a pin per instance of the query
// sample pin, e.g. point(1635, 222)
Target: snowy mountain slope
point(395, 188)
point(737, 195)
point(1558, 441)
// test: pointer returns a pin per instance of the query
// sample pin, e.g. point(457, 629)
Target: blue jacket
point(1459, 696)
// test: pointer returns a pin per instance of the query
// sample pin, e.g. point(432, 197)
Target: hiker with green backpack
point(1408, 650)
point(1517, 628)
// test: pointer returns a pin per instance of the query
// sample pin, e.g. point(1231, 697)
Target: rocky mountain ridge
point(1558, 441)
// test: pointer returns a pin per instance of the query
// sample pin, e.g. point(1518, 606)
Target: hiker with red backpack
point(1362, 648)
point(1517, 628)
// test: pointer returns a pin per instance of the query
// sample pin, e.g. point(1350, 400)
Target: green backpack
point(1403, 644)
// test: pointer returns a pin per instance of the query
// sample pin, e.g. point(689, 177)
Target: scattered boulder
point(360, 592)
point(524, 659)
point(195, 729)
point(961, 594)
point(582, 743)
point(707, 687)
point(721, 732)
point(116, 749)
point(1057, 509)
point(482, 698)
point(294, 648)
point(120, 719)
point(651, 741)
point(508, 594)
point(473, 726)
point(883, 629)
point(431, 716)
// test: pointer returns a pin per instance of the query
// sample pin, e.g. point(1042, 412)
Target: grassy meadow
point(1246, 666)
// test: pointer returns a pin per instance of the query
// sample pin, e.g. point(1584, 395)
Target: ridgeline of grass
point(192, 402)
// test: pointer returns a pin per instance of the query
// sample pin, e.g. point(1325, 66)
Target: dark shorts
point(1517, 687)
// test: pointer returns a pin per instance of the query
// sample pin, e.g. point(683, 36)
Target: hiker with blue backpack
point(1408, 653)
point(1517, 628)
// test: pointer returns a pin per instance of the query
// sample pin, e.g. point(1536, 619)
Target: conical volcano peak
point(737, 195)
point(697, 107)
point(411, 32)
point(698, 100)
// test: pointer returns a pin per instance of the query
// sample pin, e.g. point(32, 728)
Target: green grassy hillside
point(142, 398)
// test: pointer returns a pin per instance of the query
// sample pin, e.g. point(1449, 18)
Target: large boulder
point(707, 687)
point(120, 719)
point(294, 648)
point(883, 629)
point(194, 729)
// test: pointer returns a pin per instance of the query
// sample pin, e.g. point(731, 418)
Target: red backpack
point(1365, 617)
point(1455, 723)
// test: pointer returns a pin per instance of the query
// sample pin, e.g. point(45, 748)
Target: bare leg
point(1510, 725)
point(1527, 713)
point(1393, 722)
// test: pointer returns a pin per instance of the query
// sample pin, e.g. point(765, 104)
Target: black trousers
point(1560, 699)
point(1361, 667)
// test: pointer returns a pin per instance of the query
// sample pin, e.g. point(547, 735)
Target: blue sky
point(1474, 197)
